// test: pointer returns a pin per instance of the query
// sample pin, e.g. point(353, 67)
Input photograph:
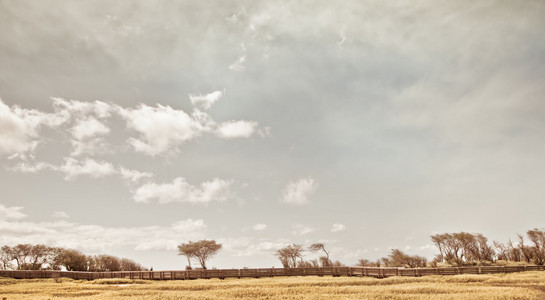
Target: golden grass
point(527, 285)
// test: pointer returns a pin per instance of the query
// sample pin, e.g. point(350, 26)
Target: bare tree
point(365, 263)
point(39, 256)
point(462, 248)
point(201, 251)
point(288, 255)
point(6, 258)
point(537, 237)
point(524, 250)
point(326, 262)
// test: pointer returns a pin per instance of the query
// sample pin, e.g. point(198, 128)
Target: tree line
point(42, 257)
point(471, 249)
point(464, 248)
point(455, 249)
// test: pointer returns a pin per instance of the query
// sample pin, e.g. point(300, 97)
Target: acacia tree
point(326, 262)
point(288, 255)
point(201, 251)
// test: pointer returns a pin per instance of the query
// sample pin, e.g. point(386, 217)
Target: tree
point(72, 260)
point(326, 262)
point(463, 248)
point(365, 263)
point(105, 263)
point(399, 259)
point(40, 255)
point(5, 258)
point(201, 251)
point(288, 255)
point(19, 253)
point(537, 237)
point(130, 265)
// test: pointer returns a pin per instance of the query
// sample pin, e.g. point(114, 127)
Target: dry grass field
point(527, 285)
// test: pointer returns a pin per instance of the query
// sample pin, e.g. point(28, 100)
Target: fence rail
point(268, 272)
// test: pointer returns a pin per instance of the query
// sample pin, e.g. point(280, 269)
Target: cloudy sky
point(130, 127)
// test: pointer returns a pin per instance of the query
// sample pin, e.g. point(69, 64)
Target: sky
point(129, 127)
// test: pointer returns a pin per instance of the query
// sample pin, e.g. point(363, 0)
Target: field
point(525, 285)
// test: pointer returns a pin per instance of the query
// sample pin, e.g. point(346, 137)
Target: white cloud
point(237, 129)
point(98, 238)
point(13, 212)
point(19, 128)
point(32, 167)
point(89, 167)
point(81, 109)
point(73, 168)
point(179, 190)
point(246, 246)
point(159, 129)
point(259, 227)
point(206, 101)
point(133, 175)
point(188, 225)
point(298, 192)
point(89, 128)
point(87, 134)
point(299, 230)
point(61, 215)
point(337, 227)
point(162, 128)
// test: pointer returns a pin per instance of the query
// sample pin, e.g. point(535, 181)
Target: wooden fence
point(269, 272)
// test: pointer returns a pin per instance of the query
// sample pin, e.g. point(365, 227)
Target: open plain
point(524, 285)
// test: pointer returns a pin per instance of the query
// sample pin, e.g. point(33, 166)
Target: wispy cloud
point(247, 246)
point(13, 212)
point(299, 192)
point(337, 227)
point(238, 65)
point(179, 190)
point(206, 101)
point(133, 175)
point(299, 229)
point(73, 168)
point(61, 215)
point(259, 227)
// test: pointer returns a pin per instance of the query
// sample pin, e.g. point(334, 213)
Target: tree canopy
point(200, 250)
